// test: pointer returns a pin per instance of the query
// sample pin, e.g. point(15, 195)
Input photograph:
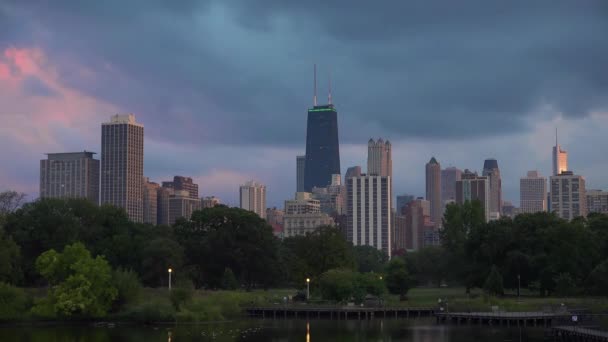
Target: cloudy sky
point(222, 86)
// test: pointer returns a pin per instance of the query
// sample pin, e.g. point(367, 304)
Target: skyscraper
point(122, 165)
point(379, 159)
point(182, 205)
point(532, 193)
point(568, 199)
point(491, 170)
point(368, 211)
point(433, 190)
point(449, 176)
point(322, 146)
point(417, 222)
point(183, 183)
point(253, 198)
point(560, 158)
point(300, 167)
point(353, 171)
point(471, 187)
point(150, 202)
point(597, 201)
point(402, 201)
point(70, 175)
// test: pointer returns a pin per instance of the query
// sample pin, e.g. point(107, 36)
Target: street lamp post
point(170, 271)
point(518, 285)
point(307, 289)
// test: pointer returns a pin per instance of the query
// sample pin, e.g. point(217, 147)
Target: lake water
point(271, 330)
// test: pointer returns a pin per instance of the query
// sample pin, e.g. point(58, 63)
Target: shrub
point(152, 311)
point(493, 284)
point(229, 281)
point(597, 282)
point(338, 284)
point(397, 277)
point(13, 302)
point(564, 285)
point(181, 294)
point(128, 285)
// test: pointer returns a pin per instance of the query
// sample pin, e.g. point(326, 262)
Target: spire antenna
point(555, 136)
point(314, 100)
point(329, 95)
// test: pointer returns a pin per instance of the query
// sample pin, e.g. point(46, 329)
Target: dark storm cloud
point(401, 69)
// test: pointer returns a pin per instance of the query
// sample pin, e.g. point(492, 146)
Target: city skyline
point(55, 92)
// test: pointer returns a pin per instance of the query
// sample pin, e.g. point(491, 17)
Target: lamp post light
point(518, 285)
point(170, 271)
point(307, 289)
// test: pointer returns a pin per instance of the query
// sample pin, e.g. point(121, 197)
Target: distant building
point(70, 175)
point(210, 202)
point(303, 215)
point(183, 183)
point(400, 231)
point(300, 167)
point(568, 198)
point(597, 201)
point(275, 218)
point(560, 158)
point(303, 203)
point(333, 197)
point(472, 187)
point(162, 205)
point(353, 171)
point(322, 147)
point(368, 211)
point(150, 202)
point(433, 190)
point(402, 201)
point(449, 176)
point(491, 170)
point(417, 224)
point(379, 158)
point(181, 204)
point(253, 198)
point(509, 210)
point(122, 165)
point(533, 193)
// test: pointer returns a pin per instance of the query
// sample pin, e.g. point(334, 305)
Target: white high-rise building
point(560, 158)
point(368, 211)
point(379, 159)
point(253, 198)
point(568, 197)
point(122, 165)
point(532, 193)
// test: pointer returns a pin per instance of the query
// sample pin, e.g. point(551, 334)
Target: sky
point(222, 86)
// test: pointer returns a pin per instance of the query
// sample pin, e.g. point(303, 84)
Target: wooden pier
point(338, 313)
point(516, 319)
point(573, 333)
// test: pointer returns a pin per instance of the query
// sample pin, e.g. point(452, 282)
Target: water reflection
point(275, 331)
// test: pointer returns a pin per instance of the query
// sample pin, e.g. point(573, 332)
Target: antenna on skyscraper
point(329, 95)
point(314, 100)
point(555, 136)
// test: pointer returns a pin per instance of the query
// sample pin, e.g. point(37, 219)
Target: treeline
point(538, 251)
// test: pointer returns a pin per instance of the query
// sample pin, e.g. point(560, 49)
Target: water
point(279, 330)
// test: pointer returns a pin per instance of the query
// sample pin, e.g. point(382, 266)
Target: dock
point(521, 319)
point(337, 313)
point(574, 333)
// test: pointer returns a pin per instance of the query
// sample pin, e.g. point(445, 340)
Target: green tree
point(493, 284)
point(371, 283)
point(397, 277)
point(427, 265)
point(160, 254)
point(10, 201)
point(14, 302)
point(369, 259)
point(128, 287)
point(10, 257)
point(338, 284)
point(597, 282)
point(564, 285)
point(229, 281)
point(81, 285)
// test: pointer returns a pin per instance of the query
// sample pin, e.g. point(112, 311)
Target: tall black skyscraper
point(322, 146)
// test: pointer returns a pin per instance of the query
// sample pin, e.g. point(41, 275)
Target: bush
point(397, 277)
point(493, 284)
point(13, 302)
point(181, 294)
point(129, 287)
point(597, 282)
point(152, 311)
point(229, 281)
point(338, 284)
point(564, 285)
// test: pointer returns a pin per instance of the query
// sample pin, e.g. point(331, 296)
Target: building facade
point(532, 193)
point(369, 211)
point(560, 158)
point(122, 165)
point(150, 202)
point(379, 158)
point(402, 201)
point(333, 197)
point(472, 187)
point(300, 167)
point(322, 147)
point(180, 183)
point(162, 205)
point(182, 205)
point(253, 198)
point(433, 190)
point(568, 197)
point(491, 170)
point(353, 171)
point(303, 215)
point(597, 201)
point(449, 176)
point(70, 175)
